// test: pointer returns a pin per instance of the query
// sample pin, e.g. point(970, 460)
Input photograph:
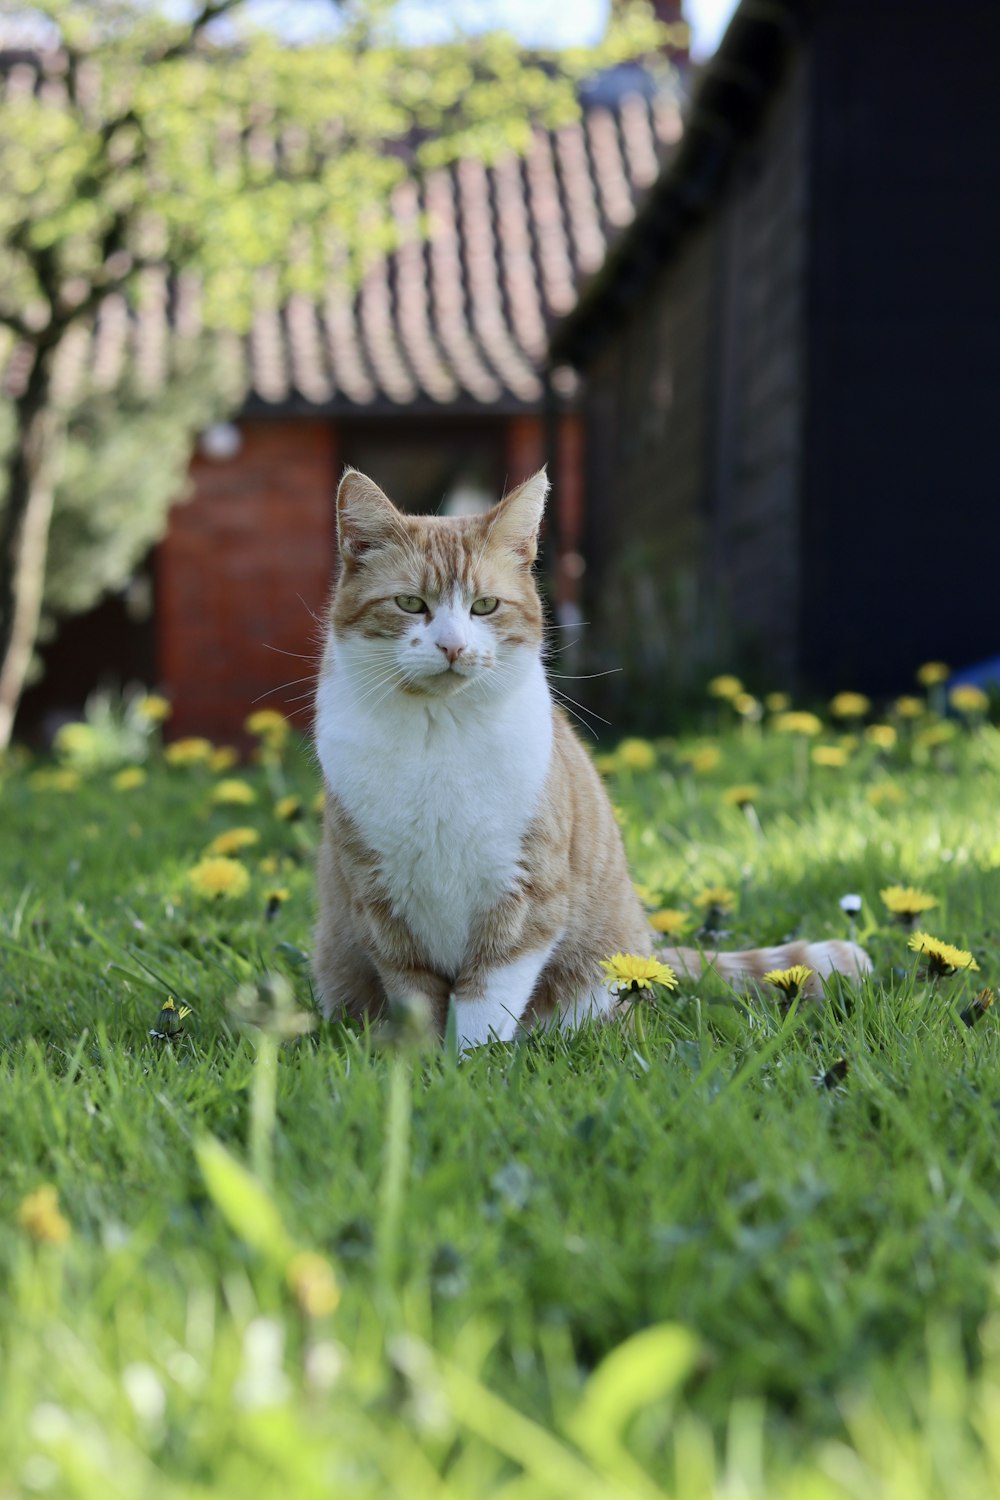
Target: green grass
point(647, 1262)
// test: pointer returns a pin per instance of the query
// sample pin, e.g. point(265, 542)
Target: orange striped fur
point(739, 969)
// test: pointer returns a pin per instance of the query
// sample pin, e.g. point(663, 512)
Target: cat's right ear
point(366, 517)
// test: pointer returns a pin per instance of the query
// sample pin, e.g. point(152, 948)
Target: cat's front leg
point(414, 987)
point(491, 1001)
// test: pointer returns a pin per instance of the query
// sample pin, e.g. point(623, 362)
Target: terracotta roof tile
point(461, 317)
point(431, 368)
point(449, 301)
point(580, 193)
point(309, 371)
point(268, 347)
point(614, 191)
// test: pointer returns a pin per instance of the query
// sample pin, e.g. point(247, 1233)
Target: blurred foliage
point(263, 166)
point(126, 462)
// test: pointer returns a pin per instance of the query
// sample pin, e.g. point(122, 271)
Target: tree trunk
point(32, 470)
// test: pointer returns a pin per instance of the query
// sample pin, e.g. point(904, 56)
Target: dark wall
point(757, 393)
point(902, 520)
point(646, 422)
point(694, 407)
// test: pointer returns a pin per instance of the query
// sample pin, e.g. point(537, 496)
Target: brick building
point(789, 364)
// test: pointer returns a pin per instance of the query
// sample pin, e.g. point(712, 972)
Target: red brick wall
point(243, 569)
point(524, 445)
point(570, 477)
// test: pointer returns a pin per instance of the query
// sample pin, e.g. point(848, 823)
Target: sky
point(536, 24)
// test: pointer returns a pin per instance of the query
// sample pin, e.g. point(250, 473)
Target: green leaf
point(245, 1205)
point(646, 1367)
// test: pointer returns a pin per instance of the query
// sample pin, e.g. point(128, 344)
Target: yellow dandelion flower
point(154, 707)
point(606, 764)
point(170, 1021)
point(636, 755)
point(223, 758)
point(885, 793)
point(742, 795)
point(833, 757)
point(318, 804)
point(717, 897)
point(234, 792)
point(746, 706)
point(270, 727)
point(797, 721)
point(777, 703)
point(217, 875)
point(268, 865)
point(274, 899)
point(726, 686)
point(908, 707)
point(702, 759)
point(128, 779)
point(313, 1284)
point(942, 958)
point(233, 840)
point(192, 751)
point(789, 981)
point(645, 893)
point(74, 739)
point(289, 809)
point(966, 698)
point(933, 672)
point(936, 735)
point(980, 1006)
point(40, 1216)
point(266, 721)
point(705, 760)
point(630, 973)
point(906, 903)
point(882, 736)
point(850, 706)
point(670, 921)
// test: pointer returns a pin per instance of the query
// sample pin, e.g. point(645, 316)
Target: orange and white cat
point(469, 848)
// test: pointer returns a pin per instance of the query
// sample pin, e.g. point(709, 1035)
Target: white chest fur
point(443, 791)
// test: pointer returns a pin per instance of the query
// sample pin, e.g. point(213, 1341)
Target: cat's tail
point(741, 969)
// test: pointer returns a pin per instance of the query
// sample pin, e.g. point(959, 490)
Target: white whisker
point(269, 692)
point(298, 655)
point(584, 676)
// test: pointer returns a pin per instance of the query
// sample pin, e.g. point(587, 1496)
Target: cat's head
point(437, 603)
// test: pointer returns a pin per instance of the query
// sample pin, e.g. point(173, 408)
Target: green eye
point(485, 606)
point(411, 604)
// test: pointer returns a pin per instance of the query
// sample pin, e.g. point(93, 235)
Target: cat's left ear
point(516, 520)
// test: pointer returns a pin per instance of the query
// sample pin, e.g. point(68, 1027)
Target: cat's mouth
point(439, 684)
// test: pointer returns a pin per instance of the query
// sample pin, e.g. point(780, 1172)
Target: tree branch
point(211, 10)
point(17, 325)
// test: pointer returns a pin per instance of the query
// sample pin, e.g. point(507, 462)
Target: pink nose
point(451, 652)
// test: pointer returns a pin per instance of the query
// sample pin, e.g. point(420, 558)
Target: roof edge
point(728, 106)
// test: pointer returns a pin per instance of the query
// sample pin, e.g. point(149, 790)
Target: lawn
point(738, 1248)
